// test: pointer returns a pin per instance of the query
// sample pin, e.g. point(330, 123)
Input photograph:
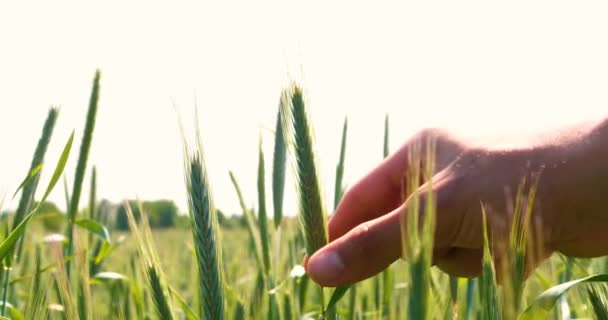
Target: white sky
point(478, 67)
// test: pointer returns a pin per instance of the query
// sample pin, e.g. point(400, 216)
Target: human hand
point(365, 231)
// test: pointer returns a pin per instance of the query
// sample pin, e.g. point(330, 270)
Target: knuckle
point(431, 132)
point(363, 235)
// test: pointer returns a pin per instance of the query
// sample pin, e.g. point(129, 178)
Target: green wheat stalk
point(28, 192)
point(262, 220)
point(487, 281)
point(515, 262)
point(598, 296)
point(158, 294)
point(278, 170)
point(273, 308)
point(27, 195)
point(338, 187)
point(299, 135)
point(151, 264)
point(93, 196)
point(387, 275)
point(82, 164)
point(298, 131)
point(36, 305)
point(386, 137)
point(249, 221)
point(418, 244)
point(205, 232)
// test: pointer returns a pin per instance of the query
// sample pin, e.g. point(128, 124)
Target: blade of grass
point(487, 281)
point(29, 189)
point(36, 306)
point(297, 127)
point(81, 166)
point(249, 221)
point(29, 186)
point(95, 228)
point(598, 295)
point(188, 313)
point(299, 135)
point(386, 150)
point(278, 170)
point(262, 220)
point(150, 262)
point(542, 305)
point(7, 244)
point(205, 232)
point(418, 244)
point(387, 275)
point(338, 188)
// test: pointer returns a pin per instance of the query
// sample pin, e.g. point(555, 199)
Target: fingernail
point(325, 266)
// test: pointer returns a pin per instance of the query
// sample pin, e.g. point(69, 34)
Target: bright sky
point(478, 67)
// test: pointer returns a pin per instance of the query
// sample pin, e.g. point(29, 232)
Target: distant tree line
point(161, 214)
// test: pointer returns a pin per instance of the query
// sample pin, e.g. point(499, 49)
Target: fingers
point(377, 193)
point(373, 245)
point(380, 191)
point(361, 253)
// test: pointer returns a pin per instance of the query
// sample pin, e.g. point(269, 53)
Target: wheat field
point(251, 266)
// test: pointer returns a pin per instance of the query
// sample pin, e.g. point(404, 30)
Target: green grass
point(251, 268)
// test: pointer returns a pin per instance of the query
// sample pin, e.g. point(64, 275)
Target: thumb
point(359, 254)
point(372, 246)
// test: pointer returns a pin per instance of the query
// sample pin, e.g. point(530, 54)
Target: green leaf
point(95, 228)
point(337, 295)
point(65, 154)
point(27, 179)
point(106, 249)
point(541, 307)
point(14, 312)
point(8, 243)
point(190, 315)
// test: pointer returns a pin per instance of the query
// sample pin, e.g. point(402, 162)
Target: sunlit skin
point(570, 212)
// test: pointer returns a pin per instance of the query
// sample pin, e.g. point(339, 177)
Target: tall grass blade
point(386, 150)
point(352, 303)
point(298, 130)
point(8, 243)
point(598, 295)
point(63, 287)
point(278, 170)
point(93, 195)
point(338, 188)
point(339, 292)
point(36, 305)
point(150, 262)
point(205, 233)
point(470, 299)
point(337, 295)
point(387, 275)
point(262, 219)
point(81, 166)
point(239, 312)
point(158, 294)
point(249, 221)
point(487, 281)
point(299, 135)
point(514, 266)
point(418, 244)
point(29, 189)
point(85, 305)
point(542, 305)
